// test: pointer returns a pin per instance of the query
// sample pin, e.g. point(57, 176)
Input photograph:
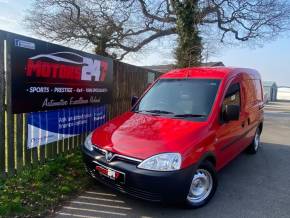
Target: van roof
point(210, 72)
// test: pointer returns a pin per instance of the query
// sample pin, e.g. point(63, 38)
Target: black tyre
point(203, 186)
point(255, 145)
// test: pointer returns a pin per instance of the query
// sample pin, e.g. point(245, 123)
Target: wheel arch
point(210, 157)
point(260, 126)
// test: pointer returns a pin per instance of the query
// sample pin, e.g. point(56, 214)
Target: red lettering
point(77, 73)
point(55, 68)
point(45, 70)
point(61, 72)
point(32, 67)
point(52, 70)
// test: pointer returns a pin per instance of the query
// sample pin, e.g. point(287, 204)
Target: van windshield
point(180, 98)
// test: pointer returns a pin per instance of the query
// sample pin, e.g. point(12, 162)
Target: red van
point(187, 126)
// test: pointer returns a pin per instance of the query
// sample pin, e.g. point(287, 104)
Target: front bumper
point(148, 185)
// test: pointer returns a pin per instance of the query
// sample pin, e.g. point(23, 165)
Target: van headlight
point(88, 142)
point(162, 162)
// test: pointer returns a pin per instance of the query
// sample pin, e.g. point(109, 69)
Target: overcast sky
point(272, 60)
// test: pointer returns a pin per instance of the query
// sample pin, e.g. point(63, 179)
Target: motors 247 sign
point(46, 76)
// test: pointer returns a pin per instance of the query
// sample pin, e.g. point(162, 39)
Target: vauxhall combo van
point(187, 126)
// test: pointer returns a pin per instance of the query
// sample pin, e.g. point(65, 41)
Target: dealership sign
point(46, 76)
point(55, 125)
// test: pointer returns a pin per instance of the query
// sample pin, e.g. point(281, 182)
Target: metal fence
point(128, 80)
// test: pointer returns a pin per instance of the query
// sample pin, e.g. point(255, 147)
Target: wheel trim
point(257, 141)
point(201, 186)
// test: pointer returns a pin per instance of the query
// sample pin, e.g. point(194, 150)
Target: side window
point(233, 96)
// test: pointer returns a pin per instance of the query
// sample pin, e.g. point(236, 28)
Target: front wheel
point(255, 145)
point(203, 186)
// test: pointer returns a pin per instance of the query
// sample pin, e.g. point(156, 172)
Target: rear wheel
point(255, 145)
point(203, 186)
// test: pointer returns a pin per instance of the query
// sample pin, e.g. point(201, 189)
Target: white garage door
point(283, 94)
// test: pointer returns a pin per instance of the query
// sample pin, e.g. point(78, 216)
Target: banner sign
point(46, 76)
point(51, 126)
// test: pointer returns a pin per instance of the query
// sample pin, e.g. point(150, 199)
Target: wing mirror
point(134, 99)
point(231, 112)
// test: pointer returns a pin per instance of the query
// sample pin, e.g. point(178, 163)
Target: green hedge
point(38, 189)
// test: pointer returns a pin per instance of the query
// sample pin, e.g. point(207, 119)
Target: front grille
point(145, 195)
point(126, 160)
point(98, 150)
point(149, 196)
point(102, 153)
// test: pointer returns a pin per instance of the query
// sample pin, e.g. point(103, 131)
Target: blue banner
point(51, 126)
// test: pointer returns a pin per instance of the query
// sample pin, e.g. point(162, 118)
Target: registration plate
point(110, 173)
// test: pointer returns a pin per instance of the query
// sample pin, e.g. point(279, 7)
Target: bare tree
point(118, 27)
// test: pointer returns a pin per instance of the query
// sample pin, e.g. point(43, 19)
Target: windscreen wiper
point(156, 111)
point(189, 115)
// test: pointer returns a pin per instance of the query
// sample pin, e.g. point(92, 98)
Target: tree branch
point(165, 19)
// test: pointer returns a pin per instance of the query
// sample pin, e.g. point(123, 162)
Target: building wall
point(267, 91)
point(270, 92)
point(283, 94)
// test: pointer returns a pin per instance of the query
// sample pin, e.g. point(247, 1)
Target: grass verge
point(38, 189)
